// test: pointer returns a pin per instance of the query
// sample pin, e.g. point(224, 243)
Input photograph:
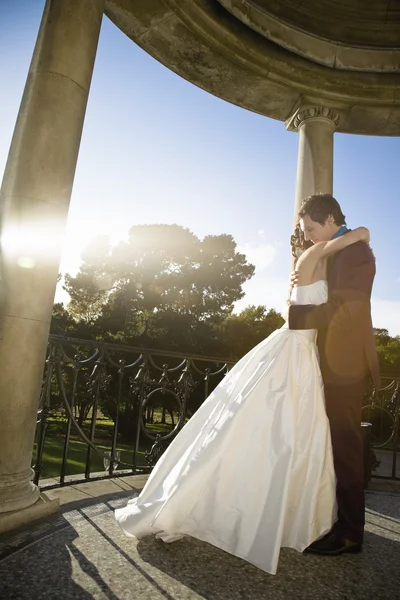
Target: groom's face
point(314, 231)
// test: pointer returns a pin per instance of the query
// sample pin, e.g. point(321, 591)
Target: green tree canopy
point(164, 281)
point(243, 331)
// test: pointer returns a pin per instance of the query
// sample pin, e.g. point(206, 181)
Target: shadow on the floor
point(27, 576)
point(127, 558)
point(43, 568)
point(18, 538)
point(212, 573)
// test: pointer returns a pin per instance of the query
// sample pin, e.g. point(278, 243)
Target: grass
point(77, 454)
point(77, 449)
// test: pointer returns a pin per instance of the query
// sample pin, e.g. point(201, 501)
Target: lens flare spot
point(26, 262)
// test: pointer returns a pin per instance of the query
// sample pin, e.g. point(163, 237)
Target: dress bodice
point(314, 293)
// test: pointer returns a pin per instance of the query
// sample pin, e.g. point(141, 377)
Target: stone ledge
point(384, 485)
point(70, 494)
point(42, 508)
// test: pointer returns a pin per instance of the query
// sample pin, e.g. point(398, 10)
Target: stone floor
point(81, 554)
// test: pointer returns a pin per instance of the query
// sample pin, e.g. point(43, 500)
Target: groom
point(347, 352)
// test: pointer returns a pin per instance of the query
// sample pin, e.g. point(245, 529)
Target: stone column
point(316, 126)
point(34, 204)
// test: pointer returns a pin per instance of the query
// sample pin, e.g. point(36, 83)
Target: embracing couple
point(274, 457)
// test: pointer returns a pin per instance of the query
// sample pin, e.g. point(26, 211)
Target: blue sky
point(156, 149)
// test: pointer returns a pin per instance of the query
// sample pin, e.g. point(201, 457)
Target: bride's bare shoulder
point(311, 266)
point(308, 258)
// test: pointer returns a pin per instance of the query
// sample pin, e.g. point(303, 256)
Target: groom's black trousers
point(343, 407)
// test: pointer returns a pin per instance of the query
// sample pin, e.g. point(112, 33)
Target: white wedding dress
point(252, 471)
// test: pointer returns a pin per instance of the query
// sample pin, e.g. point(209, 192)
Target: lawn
point(77, 449)
point(77, 453)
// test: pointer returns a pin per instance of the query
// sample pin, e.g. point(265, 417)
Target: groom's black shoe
point(333, 545)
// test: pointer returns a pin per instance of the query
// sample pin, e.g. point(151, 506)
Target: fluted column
point(34, 199)
point(316, 126)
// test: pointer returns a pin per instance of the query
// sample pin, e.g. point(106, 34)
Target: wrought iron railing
point(382, 410)
point(146, 395)
point(121, 406)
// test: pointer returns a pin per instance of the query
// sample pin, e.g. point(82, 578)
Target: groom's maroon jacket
point(345, 335)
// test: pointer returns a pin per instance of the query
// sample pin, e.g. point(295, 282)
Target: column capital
point(305, 114)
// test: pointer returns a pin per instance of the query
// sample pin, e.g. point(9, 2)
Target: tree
point(62, 322)
point(242, 332)
point(389, 358)
point(89, 289)
point(382, 337)
point(165, 286)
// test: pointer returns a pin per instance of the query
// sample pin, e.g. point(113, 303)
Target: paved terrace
point(81, 554)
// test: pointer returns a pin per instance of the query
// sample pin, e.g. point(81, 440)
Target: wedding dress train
point(252, 471)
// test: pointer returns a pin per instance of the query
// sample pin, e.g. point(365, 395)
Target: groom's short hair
point(319, 206)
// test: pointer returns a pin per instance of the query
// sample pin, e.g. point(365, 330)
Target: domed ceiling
point(274, 57)
point(344, 34)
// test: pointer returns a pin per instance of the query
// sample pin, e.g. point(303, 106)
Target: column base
point(43, 507)
point(17, 491)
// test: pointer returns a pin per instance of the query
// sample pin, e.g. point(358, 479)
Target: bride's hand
point(365, 234)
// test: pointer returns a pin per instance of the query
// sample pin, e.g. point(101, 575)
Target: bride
point(252, 471)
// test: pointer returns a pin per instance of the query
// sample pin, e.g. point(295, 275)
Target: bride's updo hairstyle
point(299, 243)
